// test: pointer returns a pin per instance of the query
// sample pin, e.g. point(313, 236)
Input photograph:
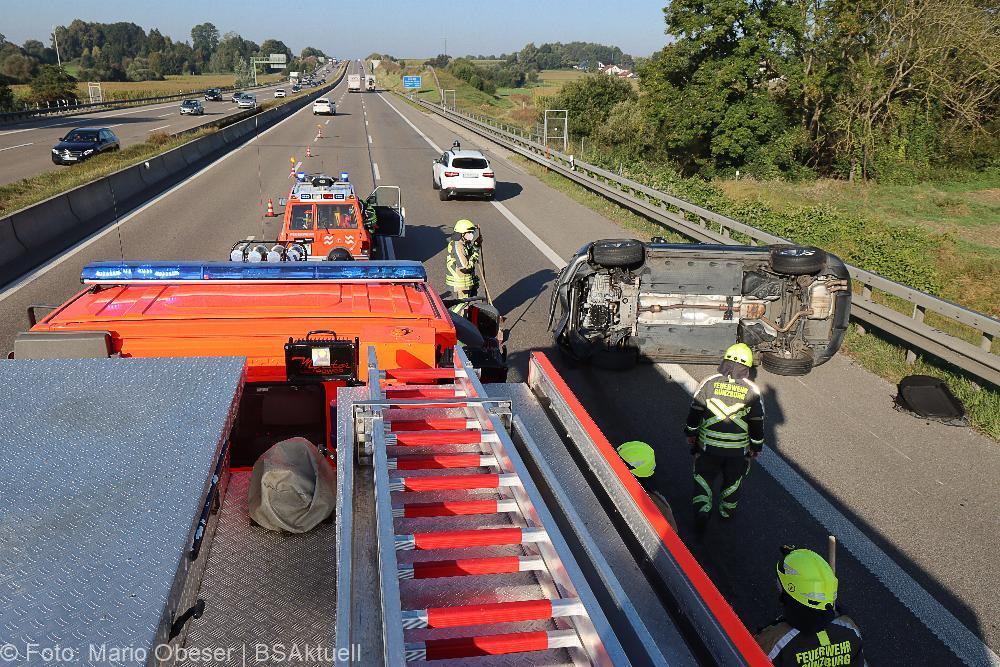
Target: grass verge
point(875, 353)
point(171, 85)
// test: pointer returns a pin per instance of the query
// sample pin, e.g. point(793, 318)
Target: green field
point(171, 85)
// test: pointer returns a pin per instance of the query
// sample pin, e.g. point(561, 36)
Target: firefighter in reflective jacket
point(725, 429)
point(810, 632)
point(463, 258)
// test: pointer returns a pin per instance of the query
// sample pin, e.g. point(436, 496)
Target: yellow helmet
point(740, 353)
point(808, 579)
point(639, 456)
point(463, 226)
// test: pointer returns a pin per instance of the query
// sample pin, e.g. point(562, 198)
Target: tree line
point(517, 69)
point(890, 89)
point(124, 51)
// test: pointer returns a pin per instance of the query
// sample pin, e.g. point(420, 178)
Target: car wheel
point(797, 260)
point(615, 358)
point(618, 252)
point(443, 195)
point(779, 364)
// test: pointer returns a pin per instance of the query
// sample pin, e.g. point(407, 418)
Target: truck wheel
point(618, 252)
point(782, 365)
point(340, 255)
point(443, 195)
point(797, 260)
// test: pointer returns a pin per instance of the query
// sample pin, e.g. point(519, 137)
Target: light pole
point(55, 38)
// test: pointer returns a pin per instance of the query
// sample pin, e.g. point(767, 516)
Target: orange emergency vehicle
point(326, 216)
point(457, 529)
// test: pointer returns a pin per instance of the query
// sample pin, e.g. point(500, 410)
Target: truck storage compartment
point(110, 473)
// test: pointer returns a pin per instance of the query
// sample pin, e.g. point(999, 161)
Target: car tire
point(615, 358)
point(443, 195)
point(782, 365)
point(797, 260)
point(612, 253)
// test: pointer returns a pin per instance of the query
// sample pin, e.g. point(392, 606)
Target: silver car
point(192, 108)
point(247, 102)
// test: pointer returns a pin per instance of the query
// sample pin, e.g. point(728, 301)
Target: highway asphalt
point(914, 503)
point(25, 148)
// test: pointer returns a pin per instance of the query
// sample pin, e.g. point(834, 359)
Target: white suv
point(280, 92)
point(325, 106)
point(463, 172)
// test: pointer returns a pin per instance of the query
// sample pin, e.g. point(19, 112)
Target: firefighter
point(725, 430)
point(641, 461)
point(464, 253)
point(809, 630)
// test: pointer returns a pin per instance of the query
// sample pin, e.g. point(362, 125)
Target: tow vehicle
point(326, 217)
point(464, 525)
point(354, 83)
point(621, 300)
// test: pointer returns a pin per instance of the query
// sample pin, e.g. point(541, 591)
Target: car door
point(389, 211)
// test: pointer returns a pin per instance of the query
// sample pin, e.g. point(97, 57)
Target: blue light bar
point(181, 272)
point(345, 177)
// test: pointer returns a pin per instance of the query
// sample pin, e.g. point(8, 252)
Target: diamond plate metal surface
point(263, 589)
point(104, 467)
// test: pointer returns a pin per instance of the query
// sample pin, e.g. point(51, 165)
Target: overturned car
point(622, 300)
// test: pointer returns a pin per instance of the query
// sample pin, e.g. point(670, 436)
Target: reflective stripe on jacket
point(461, 255)
point(727, 414)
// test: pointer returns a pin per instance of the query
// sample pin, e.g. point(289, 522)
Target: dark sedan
point(83, 143)
point(213, 95)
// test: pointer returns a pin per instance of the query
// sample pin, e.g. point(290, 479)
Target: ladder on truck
point(444, 411)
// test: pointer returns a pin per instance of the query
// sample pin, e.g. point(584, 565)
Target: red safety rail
point(453, 508)
point(713, 599)
point(463, 567)
point(441, 424)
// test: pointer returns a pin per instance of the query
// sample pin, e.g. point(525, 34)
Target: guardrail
point(73, 109)
point(700, 224)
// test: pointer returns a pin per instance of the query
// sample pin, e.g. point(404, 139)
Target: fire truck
point(473, 520)
point(324, 219)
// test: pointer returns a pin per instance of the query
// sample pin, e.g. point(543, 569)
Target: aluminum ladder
point(437, 411)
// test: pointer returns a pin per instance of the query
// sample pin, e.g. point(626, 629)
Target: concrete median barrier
point(33, 235)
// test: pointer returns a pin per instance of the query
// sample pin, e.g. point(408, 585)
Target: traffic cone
point(319, 135)
point(309, 151)
point(270, 209)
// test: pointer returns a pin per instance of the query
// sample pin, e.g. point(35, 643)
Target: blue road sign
point(411, 82)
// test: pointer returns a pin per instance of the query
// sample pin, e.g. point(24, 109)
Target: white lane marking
point(97, 236)
point(251, 237)
point(369, 138)
point(327, 122)
point(158, 128)
point(543, 247)
point(378, 176)
point(231, 108)
point(165, 115)
point(416, 129)
point(31, 143)
point(942, 623)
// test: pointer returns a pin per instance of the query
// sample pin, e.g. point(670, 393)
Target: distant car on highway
point(213, 95)
point(463, 172)
point(621, 300)
point(246, 102)
point(324, 106)
point(280, 92)
point(192, 108)
point(296, 88)
point(237, 95)
point(84, 143)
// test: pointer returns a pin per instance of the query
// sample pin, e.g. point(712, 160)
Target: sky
point(350, 30)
